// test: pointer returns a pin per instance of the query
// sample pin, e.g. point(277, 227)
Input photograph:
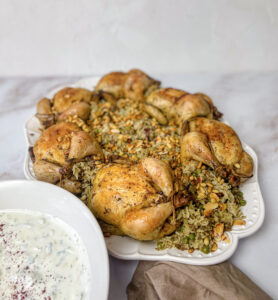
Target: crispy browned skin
point(134, 198)
point(137, 83)
point(67, 102)
point(79, 109)
point(57, 147)
point(165, 99)
point(215, 144)
point(245, 168)
point(64, 141)
point(179, 105)
point(195, 145)
point(133, 84)
point(223, 140)
point(54, 143)
point(159, 172)
point(82, 145)
point(68, 96)
point(112, 83)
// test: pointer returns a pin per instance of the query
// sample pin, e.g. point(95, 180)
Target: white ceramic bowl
point(50, 199)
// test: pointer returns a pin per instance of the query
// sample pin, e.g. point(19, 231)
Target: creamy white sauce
point(41, 257)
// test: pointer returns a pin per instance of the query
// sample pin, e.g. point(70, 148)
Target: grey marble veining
point(249, 102)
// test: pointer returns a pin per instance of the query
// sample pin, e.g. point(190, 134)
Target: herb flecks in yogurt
point(41, 257)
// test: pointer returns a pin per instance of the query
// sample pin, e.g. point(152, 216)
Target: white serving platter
point(130, 249)
point(49, 199)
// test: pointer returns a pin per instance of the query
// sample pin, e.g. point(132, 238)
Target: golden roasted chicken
point(178, 105)
point(67, 102)
point(57, 148)
point(136, 198)
point(134, 84)
point(216, 145)
point(124, 148)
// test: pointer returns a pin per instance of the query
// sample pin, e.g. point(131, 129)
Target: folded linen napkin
point(174, 281)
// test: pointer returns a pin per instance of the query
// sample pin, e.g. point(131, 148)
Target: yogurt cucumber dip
point(41, 257)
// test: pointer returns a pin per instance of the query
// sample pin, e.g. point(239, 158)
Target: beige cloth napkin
point(173, 281)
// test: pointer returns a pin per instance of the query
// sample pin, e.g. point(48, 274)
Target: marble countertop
point(248, 100)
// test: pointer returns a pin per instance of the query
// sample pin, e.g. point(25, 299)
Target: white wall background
point(81, 37)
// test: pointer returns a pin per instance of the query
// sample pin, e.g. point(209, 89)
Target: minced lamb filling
point(126, 131)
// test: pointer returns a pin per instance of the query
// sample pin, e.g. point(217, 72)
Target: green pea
point(242, 202)
point(185, 240)
point(198, 171)
point(182, 228)
point(192, 236)
point(160, 246)
point(205, 249)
